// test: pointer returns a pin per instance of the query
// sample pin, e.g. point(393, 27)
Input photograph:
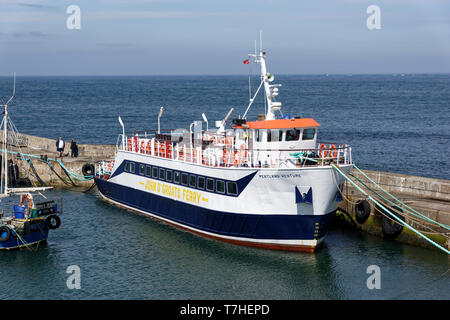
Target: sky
point(212, 37)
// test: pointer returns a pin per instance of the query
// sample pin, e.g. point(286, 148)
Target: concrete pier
point(38, 146)
point(429, 196)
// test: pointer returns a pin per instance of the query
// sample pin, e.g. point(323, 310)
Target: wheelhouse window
point(184, 179)
point(258, 134)
point(141, 169)
point(131, 169)
point(201, 183)
point(155, 172)
point(308, 134)
point(127, 167)
point(162, 174)
point(210, 184)
point(176, 177)
point(274, 135)
point(169, 175)
point(292, 135)
point(192, 181)
point(148, 171)
point(220, 186)
point(232, 188)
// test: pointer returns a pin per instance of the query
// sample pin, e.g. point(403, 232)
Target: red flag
point(247, 61)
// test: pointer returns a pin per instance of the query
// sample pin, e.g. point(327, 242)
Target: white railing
point(226, 154)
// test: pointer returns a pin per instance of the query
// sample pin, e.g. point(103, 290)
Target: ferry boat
point(265, 183)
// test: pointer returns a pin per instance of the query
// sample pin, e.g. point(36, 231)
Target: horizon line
point(222, 75)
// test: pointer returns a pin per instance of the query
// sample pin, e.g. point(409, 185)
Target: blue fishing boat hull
point(37, 233)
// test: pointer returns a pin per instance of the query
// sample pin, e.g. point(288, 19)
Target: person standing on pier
point(74, 148)
point(60, 144)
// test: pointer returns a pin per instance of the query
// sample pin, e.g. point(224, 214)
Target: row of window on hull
point(184, 179)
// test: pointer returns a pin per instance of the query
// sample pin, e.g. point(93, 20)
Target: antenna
point(260, 40)
point(14, 90)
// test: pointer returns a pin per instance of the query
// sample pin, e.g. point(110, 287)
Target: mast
point(5, 139)
point(270, 90)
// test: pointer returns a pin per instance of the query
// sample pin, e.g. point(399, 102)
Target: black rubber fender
point(88, 169)
point(392, 229)
point(5, 233)
point(53, 221)
point(23, 183)
point(362, 211)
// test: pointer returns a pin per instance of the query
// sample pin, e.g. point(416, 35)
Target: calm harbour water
point(394, 123)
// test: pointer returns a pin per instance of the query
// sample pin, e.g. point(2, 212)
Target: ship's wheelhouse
point(283, 134)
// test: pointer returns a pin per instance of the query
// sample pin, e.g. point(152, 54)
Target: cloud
point(29, 34)
point(146, 14)
point(34, 5)
point(115, 44)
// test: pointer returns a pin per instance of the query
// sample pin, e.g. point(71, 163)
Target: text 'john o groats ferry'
point(265, 183)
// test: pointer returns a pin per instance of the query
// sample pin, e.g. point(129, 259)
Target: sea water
point(393, 123)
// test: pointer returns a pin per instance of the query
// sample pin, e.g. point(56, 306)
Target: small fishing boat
point(27, 223)
point(265, 183)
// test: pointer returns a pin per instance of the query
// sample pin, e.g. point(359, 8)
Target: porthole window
point(176, 177)
point(169, 175)
point(141, 169)
point(220, 186)
point(155, 172)
point(184, 179)
point(162, 174)
point(210, 184)
point(148, 171)
point(201, 183)
point(232, 188)
point(192, 181)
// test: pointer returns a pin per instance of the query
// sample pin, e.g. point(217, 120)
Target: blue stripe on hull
point(39, 232)
point(253, 226)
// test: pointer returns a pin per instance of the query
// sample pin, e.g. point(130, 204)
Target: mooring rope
point(387, 211)
point(390, 204)
point(76, 176)
point(407, 208)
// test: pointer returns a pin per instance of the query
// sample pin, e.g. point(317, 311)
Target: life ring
point(30, 200)
point(110, 165)
point(241, 154)
point(136, 146)
point(392, 229)
point(322, 153)
point(362, 211)
point(333, 152)
point(162, 150)
point(53, 221)
point(5, 233)
point(180, 151)
point(224, 156)
point(169, 151)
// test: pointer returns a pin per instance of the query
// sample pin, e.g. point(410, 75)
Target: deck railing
point(209, 153)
